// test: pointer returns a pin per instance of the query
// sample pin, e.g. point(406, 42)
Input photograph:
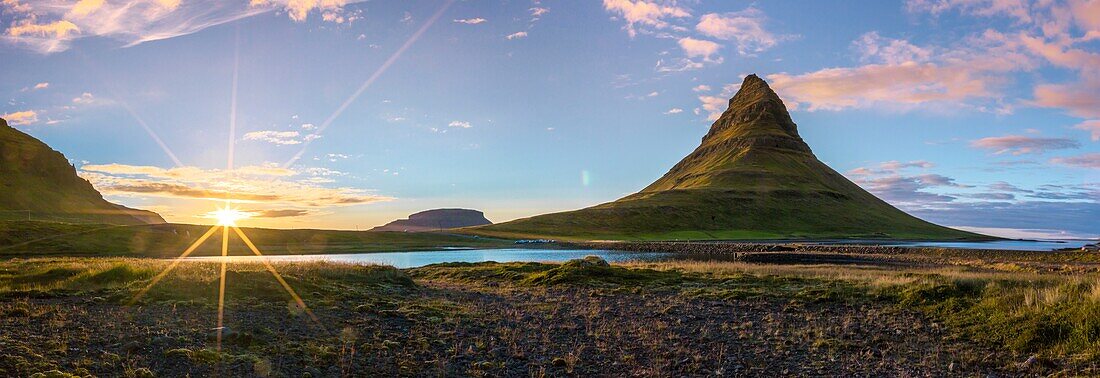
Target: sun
point(228, 216)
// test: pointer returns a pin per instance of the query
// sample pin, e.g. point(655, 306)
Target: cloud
point(49, 26)
point(699, 48)
point(1080, 98)
point(56, 29)
point(908, 190)
point(42, 85)
point(539, 11)
point(1013, 8)
point(701, 88)
point(644, 13)
point(1020, 145)
point(299, 10)
point(25, 117)
point(890, 167)
point(674, 111)
point(907, 84)
point(516, 35)
point(265, 185)
point(460, 124)
point(874, 48)
point(1052, 216)
point(281, 213)
point(1092, 126)
point(1091, 160)
point(274, 137)
point(714, 106)
point(1062, 25)
point(970, 74)
point(744, 28)
point(471, 21)
point(84, 99)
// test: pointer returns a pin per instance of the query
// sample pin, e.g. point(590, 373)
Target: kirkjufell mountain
point(38, 183)
point(751, 177)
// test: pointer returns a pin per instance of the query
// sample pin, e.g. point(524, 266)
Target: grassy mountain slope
point(752, 177)
point(38, 183)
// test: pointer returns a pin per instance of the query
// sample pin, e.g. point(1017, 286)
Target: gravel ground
point(447, 328)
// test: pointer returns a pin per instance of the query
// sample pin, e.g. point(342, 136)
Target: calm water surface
point(422, 258)
point(1015, 245)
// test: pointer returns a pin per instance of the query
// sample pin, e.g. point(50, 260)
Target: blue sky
point(982, 114)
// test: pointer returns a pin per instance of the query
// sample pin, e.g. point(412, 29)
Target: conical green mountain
point(751, 177)
point(38, 183)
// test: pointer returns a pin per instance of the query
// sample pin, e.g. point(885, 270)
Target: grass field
point(579, 317)
point(23, 238)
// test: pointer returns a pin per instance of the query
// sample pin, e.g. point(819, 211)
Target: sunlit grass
point(120, 278)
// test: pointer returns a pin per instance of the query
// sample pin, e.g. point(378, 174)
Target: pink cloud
point(744, 28)
point(653, 13)
point(1020, 145)
point(1092, 126)
point(1091, 160)
point(907, 76)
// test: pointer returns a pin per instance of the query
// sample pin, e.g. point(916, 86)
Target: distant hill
point(38, 183)
point(751, 177)
point(435, 220)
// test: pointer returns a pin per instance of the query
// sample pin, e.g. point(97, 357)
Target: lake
point(1014, 245)
point(421, 258)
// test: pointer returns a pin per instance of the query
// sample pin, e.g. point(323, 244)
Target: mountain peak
point(751, 177)
point(755, 111)
point(4, 122)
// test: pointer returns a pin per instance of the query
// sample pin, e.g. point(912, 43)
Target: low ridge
point(38, 183)
point(751, 177)
point(436, 220)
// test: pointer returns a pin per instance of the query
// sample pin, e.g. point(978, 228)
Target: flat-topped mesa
point(756, 113)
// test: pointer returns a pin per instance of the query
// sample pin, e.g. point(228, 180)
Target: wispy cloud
point(674, 111)
point(516, 35)
point(904, 76)
point(471, 21)
point(642, 14)
point(698, 48)
point(745, 29)
point(460, 124)
point(49, 26)
point(281, 213)
point(1091, 126)
point(281, 137)
point(713, 105)
point(24, 117)
point(1020, 145)
point(268, 185)
point(1091, 160)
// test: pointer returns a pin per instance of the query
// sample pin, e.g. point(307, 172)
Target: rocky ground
point(452, 322)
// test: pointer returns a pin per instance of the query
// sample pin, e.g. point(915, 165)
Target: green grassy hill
point(752, 177)
point(38, 183)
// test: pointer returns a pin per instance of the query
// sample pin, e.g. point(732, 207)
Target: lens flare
point(228, 216)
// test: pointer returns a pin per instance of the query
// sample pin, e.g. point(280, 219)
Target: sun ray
point(175, 262)
point(278, 277)
point(221, 285)
point(233, 102)
point(366, 84)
